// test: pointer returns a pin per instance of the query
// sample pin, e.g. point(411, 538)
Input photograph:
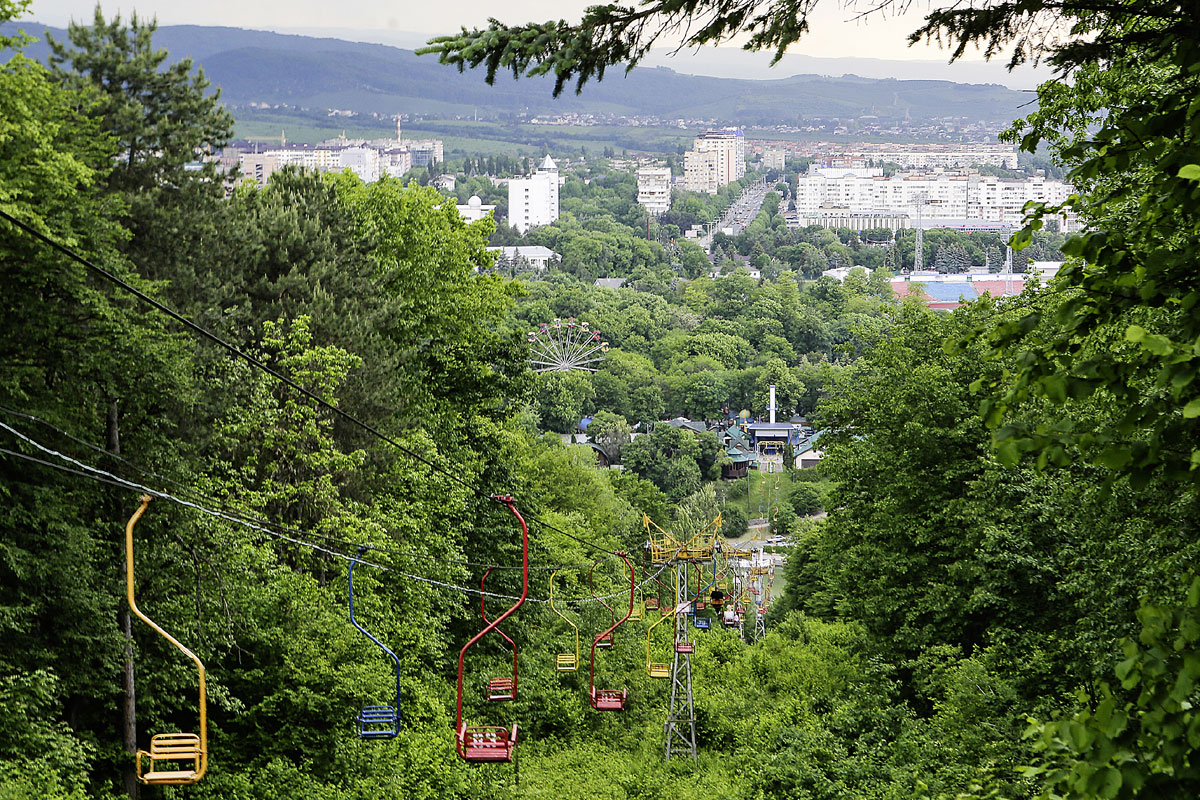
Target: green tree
point(161, 115)
point(610, 431)
point(563, 399)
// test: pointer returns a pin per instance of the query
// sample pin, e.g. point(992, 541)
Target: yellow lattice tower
point(732, 551)
point(663, 546)
point(701, 546)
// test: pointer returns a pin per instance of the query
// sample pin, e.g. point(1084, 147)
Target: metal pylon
point(680, 728)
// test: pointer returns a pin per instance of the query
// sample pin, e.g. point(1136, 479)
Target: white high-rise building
point(717, 158)
point(654, 189)
point(700, 172)
point(362, 161)
point(534, 200)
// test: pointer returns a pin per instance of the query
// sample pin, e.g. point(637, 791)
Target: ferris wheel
point(564, 345)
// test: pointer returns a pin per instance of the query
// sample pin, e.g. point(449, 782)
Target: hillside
point(263, 67)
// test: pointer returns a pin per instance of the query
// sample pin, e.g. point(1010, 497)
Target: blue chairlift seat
point(375, 722)
point(703, 623)
point(378, 722)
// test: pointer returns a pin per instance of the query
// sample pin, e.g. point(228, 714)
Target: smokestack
point(772, 404)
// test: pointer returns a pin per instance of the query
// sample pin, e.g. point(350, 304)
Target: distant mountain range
point(729, 61)
point(319, 73)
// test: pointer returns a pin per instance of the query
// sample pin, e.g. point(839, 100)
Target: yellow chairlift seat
point(564, 662)
point(636, 614)
point(657, 669)
point(168, 748)
point(172, 748)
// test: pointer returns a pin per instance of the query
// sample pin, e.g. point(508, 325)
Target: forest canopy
point(990, 586)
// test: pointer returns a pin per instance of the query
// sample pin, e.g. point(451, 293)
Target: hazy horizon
point(837, 44)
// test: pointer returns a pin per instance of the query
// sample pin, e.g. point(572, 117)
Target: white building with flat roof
point(654, 189)
point(963, 195)
point(717, 158)
point(533, 201)
point(474, 210)
point(362, 161)
point(537, 256)
point(774, 158)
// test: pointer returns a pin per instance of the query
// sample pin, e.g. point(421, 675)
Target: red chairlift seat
point(604, 640)
point(652, 603)
point(490, 743)
point(501, 689)
point(487, 743)
point(685, 647)
point(610, 699)
point(498, 688)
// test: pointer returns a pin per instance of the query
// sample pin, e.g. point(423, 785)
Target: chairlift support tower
point(680, 728)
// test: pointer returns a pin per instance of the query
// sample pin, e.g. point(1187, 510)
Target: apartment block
point(534, 200)
point(774, 158)
point(654, 189)
point(717, 158)
point(961, 195)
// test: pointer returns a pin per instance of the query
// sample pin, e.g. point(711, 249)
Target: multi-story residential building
point(931, 156)
point(829, 217)
point(700, 172)
point(774, 158)
point(717, 158)
point(368, 159)
point(654, 189)
point(257, 167)
point(939, 194)
point(362, 161)
point(395, 161)
point(534, 200)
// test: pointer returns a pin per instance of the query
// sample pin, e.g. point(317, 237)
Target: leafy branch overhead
point(1065, 33)
point(612, 34)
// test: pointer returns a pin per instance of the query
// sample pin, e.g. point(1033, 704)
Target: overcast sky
point(833, 32)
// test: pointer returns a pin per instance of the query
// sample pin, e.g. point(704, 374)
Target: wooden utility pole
point(129, 700)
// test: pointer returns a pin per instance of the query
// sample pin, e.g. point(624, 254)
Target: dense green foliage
point(1000, 603)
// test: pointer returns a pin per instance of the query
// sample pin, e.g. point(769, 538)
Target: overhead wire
point(224, 505)
point(231, 348)
point(103, 476)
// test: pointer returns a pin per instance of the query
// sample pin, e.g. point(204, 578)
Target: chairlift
point(504, 688)
point(610, 699)
point(604, 640)
point(564, 662)
point(375, 722)
point(188, 752)
point(656, 669)
point(491, 743)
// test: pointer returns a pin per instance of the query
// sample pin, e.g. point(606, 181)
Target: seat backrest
point(175, 745)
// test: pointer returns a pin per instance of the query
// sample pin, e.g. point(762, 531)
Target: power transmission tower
point(680, 728)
